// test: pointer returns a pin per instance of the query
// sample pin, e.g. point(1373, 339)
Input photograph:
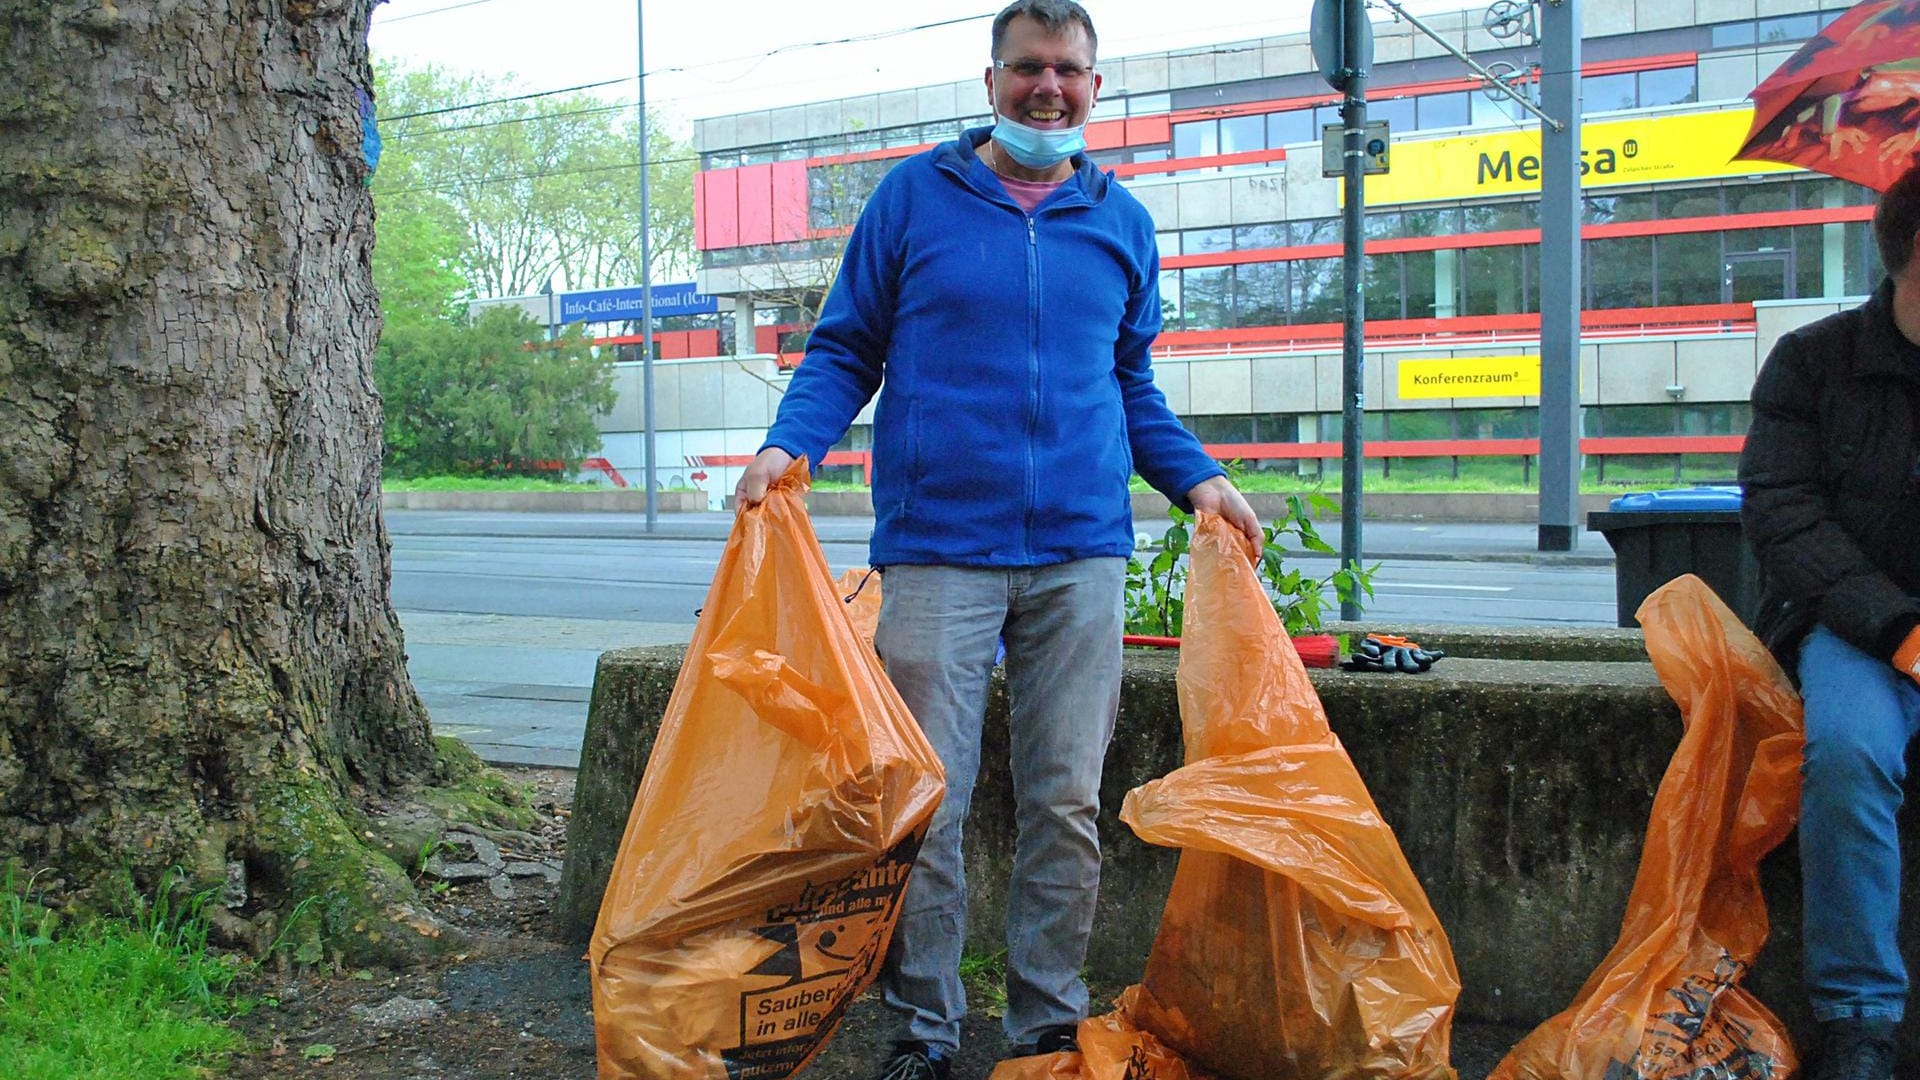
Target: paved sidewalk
point(1468, 541)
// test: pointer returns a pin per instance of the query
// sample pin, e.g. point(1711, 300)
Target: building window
point(1197, 139)
point(858, 437)
point(1172, 314)
point(1291, 127)
point(1420, 298)
point(1310, 231)
point(1240, 134)
point(1207, 292)
point(1266, 234)
point(1608, 93)
point(1688, 270)
point(1260, 294)
point(1316, 291)
point(1759, 198)
point(1782, 28)
point(1444, 110)
point(1731, 35)
point(1669, 86)
point(1144, 104)
point(1515, 423)
point(1632, 206)
point(1619, 272)
point(1220, 429)
point(1397, 112)
point(1381, 288)
point(1864, 270)
point(1206, 241)
point(1495, 280)
point(1496, 110)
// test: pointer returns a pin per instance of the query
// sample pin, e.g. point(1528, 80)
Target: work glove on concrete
point(1390, 653)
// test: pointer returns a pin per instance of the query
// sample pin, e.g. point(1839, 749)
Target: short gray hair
point(1055, 15)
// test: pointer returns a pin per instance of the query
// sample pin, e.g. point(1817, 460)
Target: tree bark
point(199, 663)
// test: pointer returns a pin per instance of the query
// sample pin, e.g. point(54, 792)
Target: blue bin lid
point(1719, 497)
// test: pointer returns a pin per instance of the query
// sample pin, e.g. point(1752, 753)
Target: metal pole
point(1560, 278)
point(1353, 113)
point(646, 266)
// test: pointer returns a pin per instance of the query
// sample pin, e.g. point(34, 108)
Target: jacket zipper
point(1033, 375)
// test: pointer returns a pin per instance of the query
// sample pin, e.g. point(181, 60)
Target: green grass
point(482, 483)
point(112, 998)
point(985, 977)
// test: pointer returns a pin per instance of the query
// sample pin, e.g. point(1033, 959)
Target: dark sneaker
point(1856, 1050)
point(1058, 1039)
point(916, 1061)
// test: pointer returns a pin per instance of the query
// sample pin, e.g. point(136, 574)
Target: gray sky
point(548, 44)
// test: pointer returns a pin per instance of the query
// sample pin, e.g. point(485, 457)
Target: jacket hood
point(961, 157)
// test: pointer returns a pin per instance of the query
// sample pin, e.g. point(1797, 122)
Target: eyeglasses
point(1032, 69)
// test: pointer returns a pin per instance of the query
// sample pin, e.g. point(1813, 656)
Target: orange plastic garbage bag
point(860, 589)
point(1296, 941)
point(764, 861)
point(1666, 1003)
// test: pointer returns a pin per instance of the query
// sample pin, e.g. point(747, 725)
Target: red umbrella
point(1848, 103)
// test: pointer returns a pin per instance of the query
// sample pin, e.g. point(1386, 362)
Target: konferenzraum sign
point(620, 305)
point(1644, 150)
point(1469, 377)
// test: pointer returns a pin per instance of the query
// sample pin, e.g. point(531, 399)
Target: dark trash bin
point(1659, 535)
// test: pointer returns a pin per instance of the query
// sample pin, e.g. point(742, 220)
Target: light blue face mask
point(1035, 148)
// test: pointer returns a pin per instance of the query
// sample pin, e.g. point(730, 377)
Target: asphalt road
point(506, 614)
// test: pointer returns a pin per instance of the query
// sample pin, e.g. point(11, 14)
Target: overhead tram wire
point(624, 105)
point(432, 11)
point(878, 35)
point(518, 177)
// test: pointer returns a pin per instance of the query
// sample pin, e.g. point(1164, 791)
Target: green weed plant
point(113, 998)
point(1156, 587)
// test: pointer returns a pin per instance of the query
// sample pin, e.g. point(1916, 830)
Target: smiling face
point(1043, 100)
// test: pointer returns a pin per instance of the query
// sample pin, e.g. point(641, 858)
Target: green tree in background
point(416, 262)
point(540, 190)
point(490, 397)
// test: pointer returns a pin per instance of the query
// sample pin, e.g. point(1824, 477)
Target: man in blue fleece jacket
point(1000, 294)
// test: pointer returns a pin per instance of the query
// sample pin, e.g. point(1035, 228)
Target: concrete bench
point(1519, 790)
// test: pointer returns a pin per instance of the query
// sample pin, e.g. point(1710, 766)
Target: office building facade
point(1692, 266)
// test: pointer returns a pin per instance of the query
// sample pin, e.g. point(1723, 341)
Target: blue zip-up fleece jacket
point(1011, 356)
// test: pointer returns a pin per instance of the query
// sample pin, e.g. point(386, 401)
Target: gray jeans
point(939, 626)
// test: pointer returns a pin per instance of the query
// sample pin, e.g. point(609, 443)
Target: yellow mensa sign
point(1470, 377)
point(1643, 150)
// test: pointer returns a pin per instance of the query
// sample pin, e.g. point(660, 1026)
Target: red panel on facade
point(756, 204)
point(789, 201)
point(1148, 130)
point(700, 211)
point(766, 339)
point(703, 343)
point(723, 208)
point(673, 344)
point(1106, 135)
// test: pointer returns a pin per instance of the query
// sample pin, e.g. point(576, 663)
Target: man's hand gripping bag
point(1666, 1003)
point(764, 861)
point(1296, 942)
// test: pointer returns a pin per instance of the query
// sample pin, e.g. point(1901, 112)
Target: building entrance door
point(1764, 275)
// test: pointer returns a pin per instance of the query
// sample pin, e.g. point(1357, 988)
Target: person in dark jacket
point(1000, 294)
point(1831, 473)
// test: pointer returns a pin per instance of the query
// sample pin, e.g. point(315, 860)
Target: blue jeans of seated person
point(939, 626)
point(1861, 713)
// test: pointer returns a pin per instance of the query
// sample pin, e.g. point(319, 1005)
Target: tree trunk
point(199, 665)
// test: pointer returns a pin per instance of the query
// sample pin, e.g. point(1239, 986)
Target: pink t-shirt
point(1027, 193)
